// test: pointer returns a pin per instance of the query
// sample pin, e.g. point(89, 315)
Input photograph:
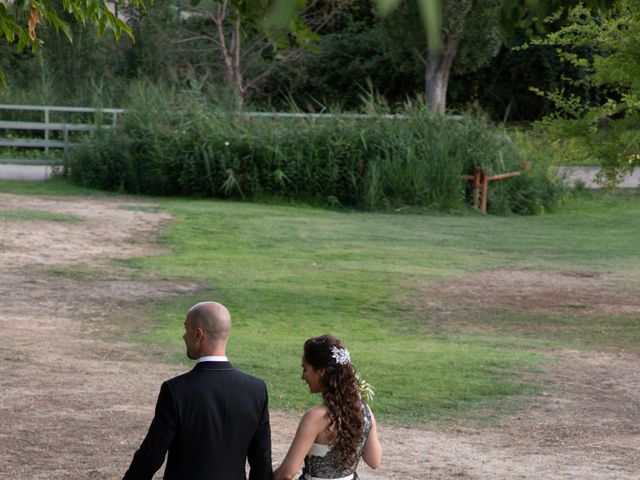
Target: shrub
point(101, 163)
point(174, 143)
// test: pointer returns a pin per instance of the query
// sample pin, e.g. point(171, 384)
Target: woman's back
point(323, 463)
point(332, 437)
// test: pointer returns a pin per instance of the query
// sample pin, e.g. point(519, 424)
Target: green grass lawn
point(291, 272)
point(27, 214)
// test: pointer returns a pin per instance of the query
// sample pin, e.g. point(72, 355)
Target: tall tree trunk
point(439, 63)
point(219, 19)
point(231, 53)
point(241, 89)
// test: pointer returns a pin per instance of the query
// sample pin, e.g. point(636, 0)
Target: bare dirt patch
point(75, 402)
point(567, 293)
point(107, 230)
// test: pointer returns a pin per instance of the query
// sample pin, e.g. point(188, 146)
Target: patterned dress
point(322, 463)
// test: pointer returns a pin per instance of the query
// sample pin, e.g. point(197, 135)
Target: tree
point(350, 61)
point(502, 89)
point(236, 21)
point(469, 38)
point(251, 38)
point(472, 29)
point(19, 19)
point(609, 128)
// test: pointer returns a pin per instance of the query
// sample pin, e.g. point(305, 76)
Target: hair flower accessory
point(340, 355)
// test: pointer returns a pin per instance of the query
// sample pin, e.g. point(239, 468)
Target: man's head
point(206, 329)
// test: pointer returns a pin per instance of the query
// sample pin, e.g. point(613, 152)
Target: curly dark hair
point(341, 396)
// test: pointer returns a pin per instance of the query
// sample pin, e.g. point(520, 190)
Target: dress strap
point(367, 418)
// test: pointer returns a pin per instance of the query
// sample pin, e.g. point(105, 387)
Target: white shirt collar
point(213, 358)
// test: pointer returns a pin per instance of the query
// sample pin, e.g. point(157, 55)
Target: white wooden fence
point(53, 132)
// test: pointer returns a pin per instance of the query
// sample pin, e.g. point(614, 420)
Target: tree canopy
point(20, 19)
point(608, 128)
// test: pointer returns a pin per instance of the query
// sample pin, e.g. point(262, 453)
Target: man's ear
point(199, 333)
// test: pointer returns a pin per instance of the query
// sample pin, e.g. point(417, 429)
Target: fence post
point(66, 143)
point(46, 132)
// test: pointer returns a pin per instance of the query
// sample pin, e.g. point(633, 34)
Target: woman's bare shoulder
point(316, 416)
point(316, 420)
point(316, 413)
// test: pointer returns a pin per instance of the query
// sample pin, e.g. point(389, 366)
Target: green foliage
point(356, 53)
point(99, 163)
point(91, 70)
point(474, 23)
point(428, 12)
point(531, 14)
point(19, 20)
point(534, 146)
point(538, 190)
point(502, 88)
point(527, 194)
point(387, 54)
point(471, 32)
point(173, 143)
point(607, 129)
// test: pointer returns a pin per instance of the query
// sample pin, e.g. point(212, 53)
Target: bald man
point(212, 419)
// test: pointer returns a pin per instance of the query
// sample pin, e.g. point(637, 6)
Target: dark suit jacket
point(210, 420)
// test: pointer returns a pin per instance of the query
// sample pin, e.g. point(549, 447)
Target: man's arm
point(150, 456)
point(259, 454)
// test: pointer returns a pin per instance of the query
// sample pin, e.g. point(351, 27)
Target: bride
point(331, 437)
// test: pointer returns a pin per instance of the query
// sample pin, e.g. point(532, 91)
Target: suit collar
point(213, 366)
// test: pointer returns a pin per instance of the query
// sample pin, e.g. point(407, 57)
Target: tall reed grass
point(174, 142)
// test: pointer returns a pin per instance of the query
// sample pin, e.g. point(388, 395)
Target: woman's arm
point(312, 423)
point(372, 452)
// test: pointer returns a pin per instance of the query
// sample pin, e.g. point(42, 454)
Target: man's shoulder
point(250, 378)
point(180, 377)
point(192, 375)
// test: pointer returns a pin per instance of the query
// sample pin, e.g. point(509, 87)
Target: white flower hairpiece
point(341, 355)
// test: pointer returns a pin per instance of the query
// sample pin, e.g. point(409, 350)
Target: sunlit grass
point(290, 272)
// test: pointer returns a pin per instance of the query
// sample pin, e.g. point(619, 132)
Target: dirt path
point(76, 399)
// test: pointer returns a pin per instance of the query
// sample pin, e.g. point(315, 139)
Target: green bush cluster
point(536, 191)
point(174, 144)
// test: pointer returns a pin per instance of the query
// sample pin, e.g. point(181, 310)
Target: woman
point(333, 436)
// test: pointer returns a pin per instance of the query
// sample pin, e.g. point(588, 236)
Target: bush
point(535, 191)
point(174, 143)
point(100, 163)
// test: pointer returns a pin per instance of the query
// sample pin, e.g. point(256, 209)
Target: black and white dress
point(322, 463)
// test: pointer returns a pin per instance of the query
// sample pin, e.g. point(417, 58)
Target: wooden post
point(481, 186)
point(476, 188)
point(502, 176)
point(485, 192)
point(46, 133)
point(66, 143)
